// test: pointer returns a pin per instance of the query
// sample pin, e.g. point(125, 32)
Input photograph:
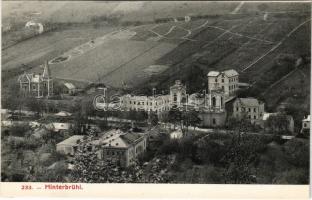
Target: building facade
point(178, 98)
point(121, 148)
point(248, 108)
point(306, 125)
point(227, 81)
point(37, 85)
point(70, 145)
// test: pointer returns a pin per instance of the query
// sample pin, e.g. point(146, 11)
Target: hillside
point(260, 41)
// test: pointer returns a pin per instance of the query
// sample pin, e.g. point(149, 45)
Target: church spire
point(46, 71)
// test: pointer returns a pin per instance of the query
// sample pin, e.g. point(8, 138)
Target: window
point(255, 117)
point(214, 101)
point(222, 80)
point(255, 110)
point(130, 102)
point(222, 87)
point(249, 116)
point(249, 110)
point(216, 80)
point(304, 125)
point(213, 121)
point(236, 108)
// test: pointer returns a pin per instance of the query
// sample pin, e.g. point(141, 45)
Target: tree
point(153, 118)
point(175, 117)
point(19, 130)
point(241, 153)
point(88, 168)
point(35, 105)
point(190, 118)
point(277, 123)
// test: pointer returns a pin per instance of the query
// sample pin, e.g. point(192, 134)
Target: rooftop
point(213, 73)
point(72, 140)
point(117, 138)
point(230, 72)
point(70, 86)
point(250, 101)
point(307, 119)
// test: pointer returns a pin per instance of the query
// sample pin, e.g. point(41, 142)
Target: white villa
point(226, 80)
point(37, 85)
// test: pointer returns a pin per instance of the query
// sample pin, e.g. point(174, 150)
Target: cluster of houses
point(214, 105)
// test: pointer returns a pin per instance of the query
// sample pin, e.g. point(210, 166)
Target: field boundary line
point(239, 34)
point(276, 46)
point(129, 61)
point(280, 80)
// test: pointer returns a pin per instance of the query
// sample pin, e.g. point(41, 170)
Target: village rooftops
point(73, 140)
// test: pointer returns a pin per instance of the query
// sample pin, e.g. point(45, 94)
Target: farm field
point(118, 55)
point(249, 45)
point(46, 46)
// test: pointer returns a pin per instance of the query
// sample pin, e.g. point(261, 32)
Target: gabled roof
point(63, 114)
point(36, 78)
point(213, 73)
point(58, 126)
point(177, 85)
point(267, 115)
point(72, 140)
point(130, 138)
point(230, 73)
point(70, 86)
point(119, 139)
point(25, 77)
point(250, 101)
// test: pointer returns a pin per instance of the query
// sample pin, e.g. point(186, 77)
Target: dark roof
point(130, 138)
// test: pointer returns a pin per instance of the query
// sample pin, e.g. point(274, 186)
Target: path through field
point(276, 46)
point(240, 5)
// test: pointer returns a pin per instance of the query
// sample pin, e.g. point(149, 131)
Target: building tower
point(177, 93)
point(48, 81)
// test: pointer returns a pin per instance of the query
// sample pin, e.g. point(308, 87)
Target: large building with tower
point(37, 85)
point(227, 81)
point(210, 105)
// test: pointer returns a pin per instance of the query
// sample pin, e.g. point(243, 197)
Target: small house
point(70, 145)
point(69, 88)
